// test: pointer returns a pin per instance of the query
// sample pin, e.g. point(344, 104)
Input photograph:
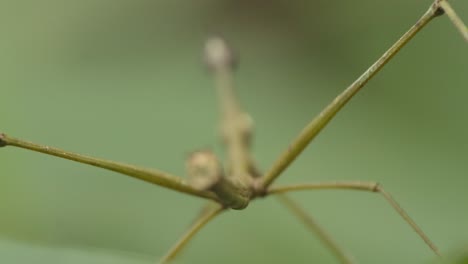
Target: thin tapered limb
point(362, 186)
point(149, 175)
point(204, 218)
point(313, 226)
point(317, 124)
point(456, 20)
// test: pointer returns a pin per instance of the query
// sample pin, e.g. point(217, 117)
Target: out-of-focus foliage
point(124, 80)
point(459, 256)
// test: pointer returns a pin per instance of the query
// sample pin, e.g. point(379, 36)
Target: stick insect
point(242, 182)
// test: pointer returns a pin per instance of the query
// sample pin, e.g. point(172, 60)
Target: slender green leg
point(362, 186)
point(317, 124)
point(313, 226)
point(150, 175)
point(204, 218)
point(457, 22)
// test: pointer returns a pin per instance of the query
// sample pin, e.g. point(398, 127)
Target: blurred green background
point(124, 80)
